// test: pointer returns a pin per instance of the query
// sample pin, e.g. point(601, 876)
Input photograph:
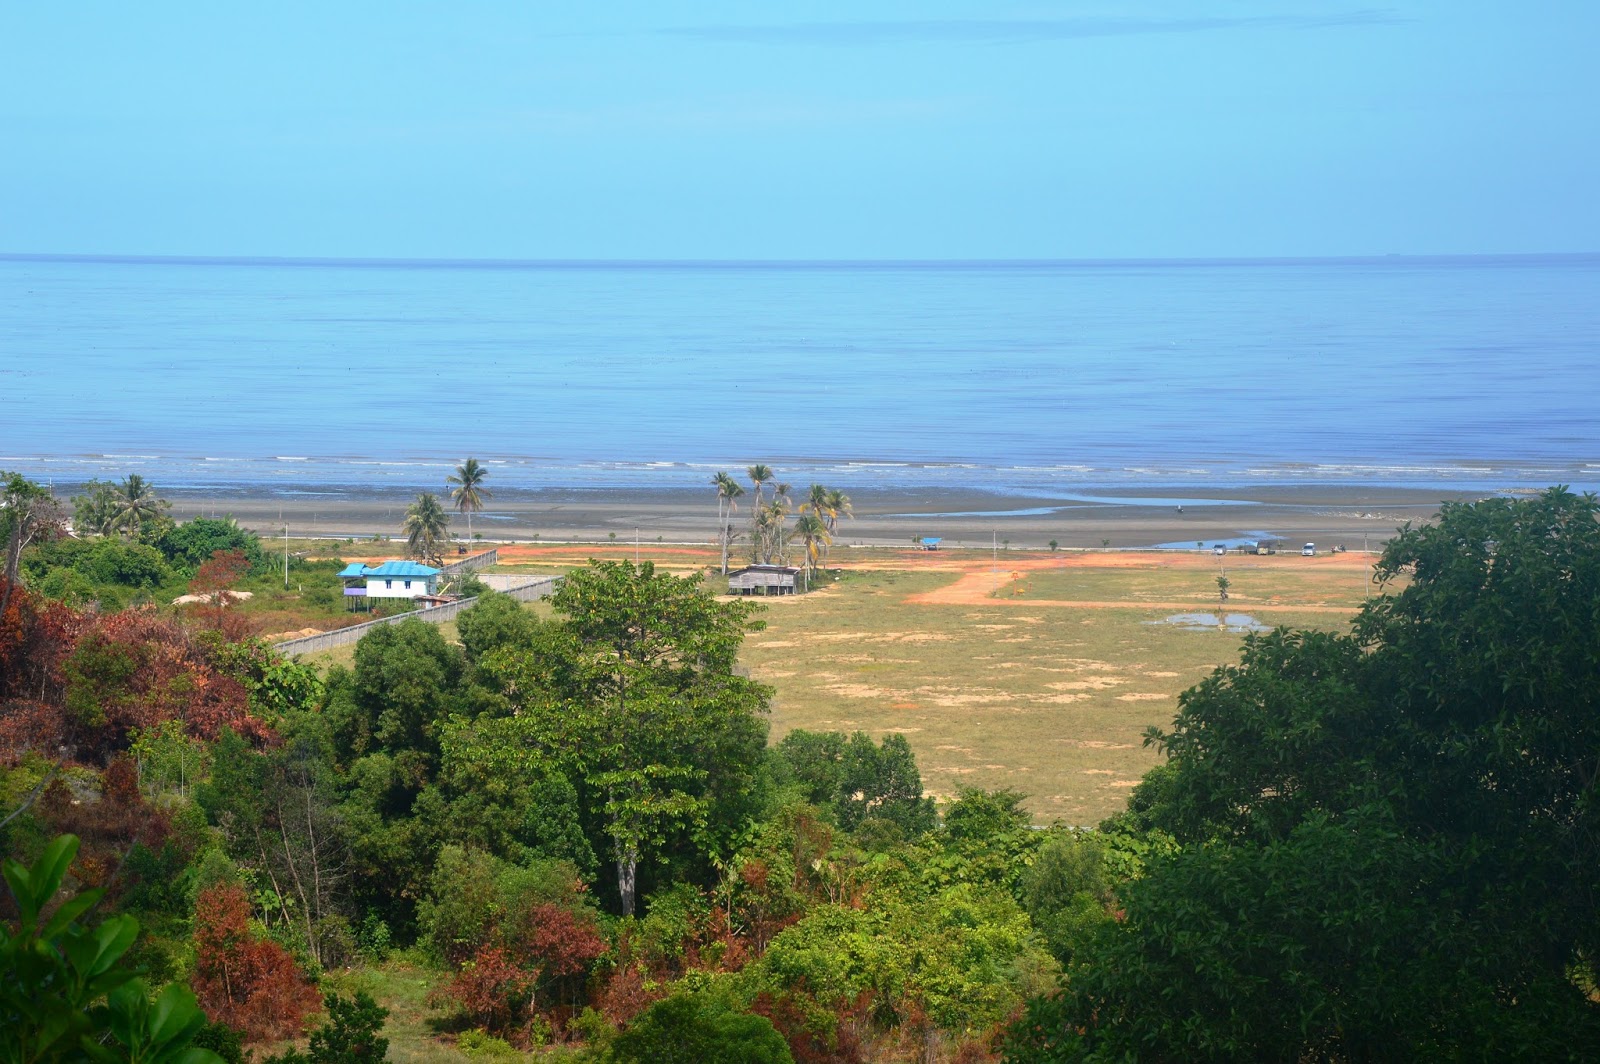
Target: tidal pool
point(1227, 622)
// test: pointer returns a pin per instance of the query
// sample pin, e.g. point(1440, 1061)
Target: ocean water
point(310, 376)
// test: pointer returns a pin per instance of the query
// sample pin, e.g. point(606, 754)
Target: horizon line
point(797, 263)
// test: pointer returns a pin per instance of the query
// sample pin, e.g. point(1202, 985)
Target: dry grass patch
point(1054, 718)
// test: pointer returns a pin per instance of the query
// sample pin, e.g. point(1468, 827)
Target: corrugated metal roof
point(353, 569)
point(389, 570)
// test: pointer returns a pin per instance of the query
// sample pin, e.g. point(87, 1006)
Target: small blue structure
point(392, 579)
point(931, 542)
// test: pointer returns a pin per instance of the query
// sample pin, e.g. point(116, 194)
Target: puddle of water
point(1205, 622)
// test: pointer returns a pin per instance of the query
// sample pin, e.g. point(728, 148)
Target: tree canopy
point(1386, 840)
point(634, 688)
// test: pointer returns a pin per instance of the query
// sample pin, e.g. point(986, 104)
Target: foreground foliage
point(68, 993)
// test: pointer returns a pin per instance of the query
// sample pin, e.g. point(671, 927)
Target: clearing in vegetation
point(1040, 674)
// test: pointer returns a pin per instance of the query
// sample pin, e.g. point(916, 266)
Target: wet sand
point(1351, 516)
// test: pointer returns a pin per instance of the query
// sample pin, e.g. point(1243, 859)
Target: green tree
point(636, 692)
point(95, 511)
point(882, 782)
point(728, 492)
point(136, 505)
point(508, 796)
point(469, 491)
point(759, 476)
point(28, 513)
point(386, 718)
point(1067, 891)
point(838, 506)
point(857, 779)
point(813, 534)
point(426, 526)
point(191, 544)
point(494, 621)
point(277, 810)
point(1385, 840)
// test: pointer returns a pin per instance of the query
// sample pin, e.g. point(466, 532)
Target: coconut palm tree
point(759, 474)
point(728, 490)
point(135, 504)
point(425, 527)
point(838, 506)
point(811, 531)
point(764, 534)
point(781, 501)
point(470, 492)
point(816, 501)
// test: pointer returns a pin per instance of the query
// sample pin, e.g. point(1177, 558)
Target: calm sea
point(299, 376)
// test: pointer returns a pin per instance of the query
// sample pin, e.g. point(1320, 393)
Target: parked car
point(1309, 550)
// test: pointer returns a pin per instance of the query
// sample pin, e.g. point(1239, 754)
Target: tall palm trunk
point(721, 530)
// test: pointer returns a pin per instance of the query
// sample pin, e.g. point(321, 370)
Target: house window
point(408, 583)
point(388, 583)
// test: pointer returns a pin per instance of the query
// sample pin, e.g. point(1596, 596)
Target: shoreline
point(1352, 516)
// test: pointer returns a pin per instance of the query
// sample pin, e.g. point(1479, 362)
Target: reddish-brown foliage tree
point(492, 989)
point(816, 1034)
point(108, 824)
point(624, 995)
point(36, 635)
point(560, 941)
point(250, 984)
point(82, 681)
point(215, 580)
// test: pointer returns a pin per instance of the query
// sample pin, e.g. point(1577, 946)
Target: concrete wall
point(533, 588)
point(477, 561)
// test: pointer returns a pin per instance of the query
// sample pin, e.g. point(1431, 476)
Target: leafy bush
point(481, 1046)
point(348, 1036)
point(698, 1029)
point(58, 970)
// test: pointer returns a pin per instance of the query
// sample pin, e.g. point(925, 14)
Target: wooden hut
point(764, 580)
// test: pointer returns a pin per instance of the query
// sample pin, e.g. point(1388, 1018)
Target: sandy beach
point(1351, 516)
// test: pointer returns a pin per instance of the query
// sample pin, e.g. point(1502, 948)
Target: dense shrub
point(246, 982)
point(697, 1029)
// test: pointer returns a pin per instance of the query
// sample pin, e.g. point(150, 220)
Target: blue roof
point(389, 570)
point(403, 569)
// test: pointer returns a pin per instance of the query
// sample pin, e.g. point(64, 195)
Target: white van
point(1309, 550)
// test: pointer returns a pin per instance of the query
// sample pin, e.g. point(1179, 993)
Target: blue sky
point(1126, 128)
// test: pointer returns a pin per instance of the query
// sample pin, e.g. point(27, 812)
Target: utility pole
point(635, 546)
point(285, 551)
